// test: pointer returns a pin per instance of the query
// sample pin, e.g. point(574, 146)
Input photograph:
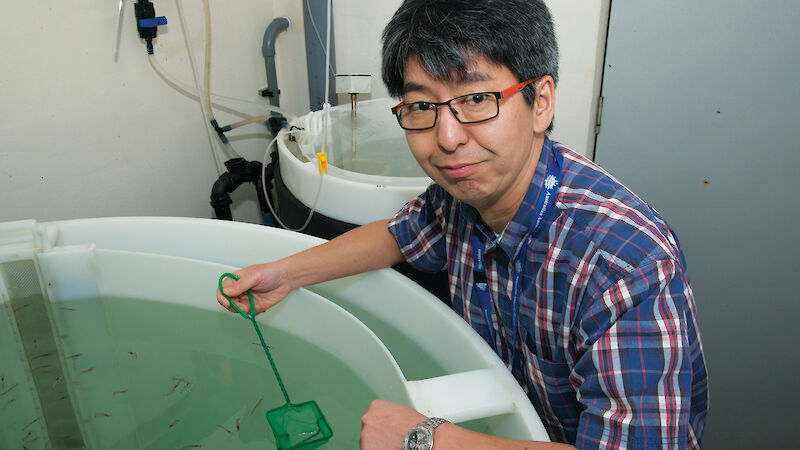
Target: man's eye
point(420, 107)
point(476, 99)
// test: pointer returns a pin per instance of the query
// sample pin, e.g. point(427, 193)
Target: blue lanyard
point(545, 201)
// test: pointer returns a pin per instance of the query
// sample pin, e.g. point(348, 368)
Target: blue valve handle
point(153, 22)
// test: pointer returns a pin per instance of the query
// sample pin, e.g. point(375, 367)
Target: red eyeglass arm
point(503, 94)
point(516, 88)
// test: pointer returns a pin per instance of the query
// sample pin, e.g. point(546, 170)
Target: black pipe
point(220, 198)
point(239, 171)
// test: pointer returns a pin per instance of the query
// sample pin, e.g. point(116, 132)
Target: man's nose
point(450, 133)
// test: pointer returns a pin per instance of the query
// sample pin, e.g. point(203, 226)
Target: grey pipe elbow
point(276, 26)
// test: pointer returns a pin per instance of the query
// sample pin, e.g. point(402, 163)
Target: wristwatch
point(421, 436)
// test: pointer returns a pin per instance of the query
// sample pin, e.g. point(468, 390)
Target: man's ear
point(544, 104)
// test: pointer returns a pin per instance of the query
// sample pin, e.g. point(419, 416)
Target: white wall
point(84, 136)
point(581, 32)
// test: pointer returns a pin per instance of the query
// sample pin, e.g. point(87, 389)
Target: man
point(578, 285)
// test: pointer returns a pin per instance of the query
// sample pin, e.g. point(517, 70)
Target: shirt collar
point(516, 230)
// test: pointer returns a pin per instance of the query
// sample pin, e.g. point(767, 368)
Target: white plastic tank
point(371, 172)
point(129, 349)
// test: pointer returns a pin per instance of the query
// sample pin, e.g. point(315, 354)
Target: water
point(369, 142)
point(383, 157)
point(152, 375)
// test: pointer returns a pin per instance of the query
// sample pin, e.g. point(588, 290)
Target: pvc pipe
point(268, 50)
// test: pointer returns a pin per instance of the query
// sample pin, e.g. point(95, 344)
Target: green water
point(371, 143)
point(152, 375)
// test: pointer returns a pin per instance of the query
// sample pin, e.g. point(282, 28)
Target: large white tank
point(141, 355)
point(371, 172)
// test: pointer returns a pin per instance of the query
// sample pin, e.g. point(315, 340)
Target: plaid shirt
point(608, 347)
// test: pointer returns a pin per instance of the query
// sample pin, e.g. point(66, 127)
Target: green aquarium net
point(295, 426)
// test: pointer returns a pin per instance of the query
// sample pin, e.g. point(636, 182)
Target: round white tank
point(371, 172)
point(149, 359)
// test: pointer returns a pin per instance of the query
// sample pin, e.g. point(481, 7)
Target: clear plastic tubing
point(266, 194)
point(205, 98)
point(249, 121)
point(192, 92)
point(327, 106)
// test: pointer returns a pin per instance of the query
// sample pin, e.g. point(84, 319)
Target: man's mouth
point(458, 170)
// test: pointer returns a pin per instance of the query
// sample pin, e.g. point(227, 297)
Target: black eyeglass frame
point(505, 93)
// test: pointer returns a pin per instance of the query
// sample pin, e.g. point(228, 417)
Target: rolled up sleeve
point(636, 374)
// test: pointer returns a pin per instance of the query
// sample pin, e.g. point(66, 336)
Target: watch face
point(419, 438)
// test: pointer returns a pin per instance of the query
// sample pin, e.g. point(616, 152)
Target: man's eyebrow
point(461, 78)
point(411, 87)
point(472, 76)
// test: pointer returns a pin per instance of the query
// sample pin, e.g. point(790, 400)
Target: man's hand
point(365, 248)
point(385, 425)
point(266, 282)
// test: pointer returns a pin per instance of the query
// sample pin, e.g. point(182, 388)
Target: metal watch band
point(433, 422)
point(426, 427)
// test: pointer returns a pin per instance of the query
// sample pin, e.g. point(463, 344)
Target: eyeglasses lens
point(468, 108)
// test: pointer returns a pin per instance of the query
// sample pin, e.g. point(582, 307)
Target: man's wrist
point(420, 437)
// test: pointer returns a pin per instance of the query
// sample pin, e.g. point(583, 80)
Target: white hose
point(227, 149)
point(205, 98)
point(266, 194)
point(327, 106)
point(192, 92)
point(249, 121)
point(327, 53)
point(197, 83)
point(316, 32)
point(326, 118)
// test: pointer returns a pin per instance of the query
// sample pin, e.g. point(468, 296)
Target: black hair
point(444, 34)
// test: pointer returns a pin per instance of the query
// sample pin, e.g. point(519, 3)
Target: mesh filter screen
point(30, 310)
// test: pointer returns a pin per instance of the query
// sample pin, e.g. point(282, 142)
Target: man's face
point(488, 165)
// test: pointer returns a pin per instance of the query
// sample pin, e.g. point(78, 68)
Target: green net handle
point(252, 318)
point(232, 303)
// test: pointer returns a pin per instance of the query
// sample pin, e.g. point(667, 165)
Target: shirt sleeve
point(418, 229)
point(635, 376)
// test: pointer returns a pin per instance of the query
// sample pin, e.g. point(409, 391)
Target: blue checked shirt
point(608, 347)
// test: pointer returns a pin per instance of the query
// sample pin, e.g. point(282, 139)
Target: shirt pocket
point(548, 376)
point(553, 395)
point(549, 386)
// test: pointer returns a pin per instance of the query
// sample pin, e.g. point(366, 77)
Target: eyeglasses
point(470, 108)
